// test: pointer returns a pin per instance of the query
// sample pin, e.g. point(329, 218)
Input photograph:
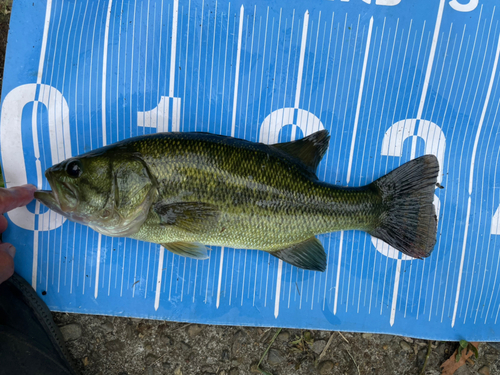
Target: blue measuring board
point(390, 79)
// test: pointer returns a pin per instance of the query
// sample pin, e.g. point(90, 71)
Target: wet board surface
point(390, 79)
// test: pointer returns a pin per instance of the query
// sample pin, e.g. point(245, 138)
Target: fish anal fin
point(309, 255)
point(194, 217)
point(308, 150)
point(188, 249)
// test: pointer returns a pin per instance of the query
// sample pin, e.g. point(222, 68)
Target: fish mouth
point(62, 199)
point(48, 198)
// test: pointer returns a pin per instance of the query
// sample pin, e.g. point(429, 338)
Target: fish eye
point(74, 168)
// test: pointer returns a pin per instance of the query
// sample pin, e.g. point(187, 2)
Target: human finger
point(3, 223)
point(15, 197)
point(7, 252)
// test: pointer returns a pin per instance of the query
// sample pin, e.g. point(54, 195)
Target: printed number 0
point(12, 148)
point(272, 124)
point(392, 145)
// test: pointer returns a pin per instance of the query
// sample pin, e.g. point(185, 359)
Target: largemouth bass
point(187, 191)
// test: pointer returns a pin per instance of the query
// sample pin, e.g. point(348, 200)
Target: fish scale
point(268, 201)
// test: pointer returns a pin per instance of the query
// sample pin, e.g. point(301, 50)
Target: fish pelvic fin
point(408, 221)
point(308, 150)
point(188, 249)
point(309, 255)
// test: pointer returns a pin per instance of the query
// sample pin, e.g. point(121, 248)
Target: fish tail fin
point(408, 221)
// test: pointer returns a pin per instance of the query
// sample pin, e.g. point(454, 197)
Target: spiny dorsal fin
point(187, 249)
point(309, 150)
point(194, 217)
point(309, 255)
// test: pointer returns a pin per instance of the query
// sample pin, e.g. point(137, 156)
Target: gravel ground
point(111, 345)
point(121, 346)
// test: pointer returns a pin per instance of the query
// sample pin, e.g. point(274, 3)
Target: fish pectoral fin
point(309, 255)
point(194, 217)
point(188, 249)
point(308, 150)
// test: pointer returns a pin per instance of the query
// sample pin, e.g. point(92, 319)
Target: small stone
point(194, 330)
point(385, 347)
point(107, 327)
point(234, 371)
point(206, 369)
point(239, 339)
point(166, 339)
point(183, 346)
point(71, 331)
point(142, 328)
point(409, 340)
point(129, 332)
point(211, 360)
point(150, 371)
point(491, 358)
point(318, 346)
point(463, 370)
point(405, 346)
point(178, 371)
point(284, 336)
point(222, 373)
point(367, 335)
point(275, 357)
point(85, 361)
point(485, 370)
point(225, 355)
point(150, 359)
point(440, 351)
point(495, 345)
point(114, 345)
point(325, 367)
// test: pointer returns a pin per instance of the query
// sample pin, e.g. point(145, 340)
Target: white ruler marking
point(360, 98)
point(237, 74)
point(158, 278)
point(173, 50)
point(395, 292)
point(461, 263)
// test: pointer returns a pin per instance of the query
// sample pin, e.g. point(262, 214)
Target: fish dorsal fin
point(187, 249)
point(309, 255)
point(308, 150)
